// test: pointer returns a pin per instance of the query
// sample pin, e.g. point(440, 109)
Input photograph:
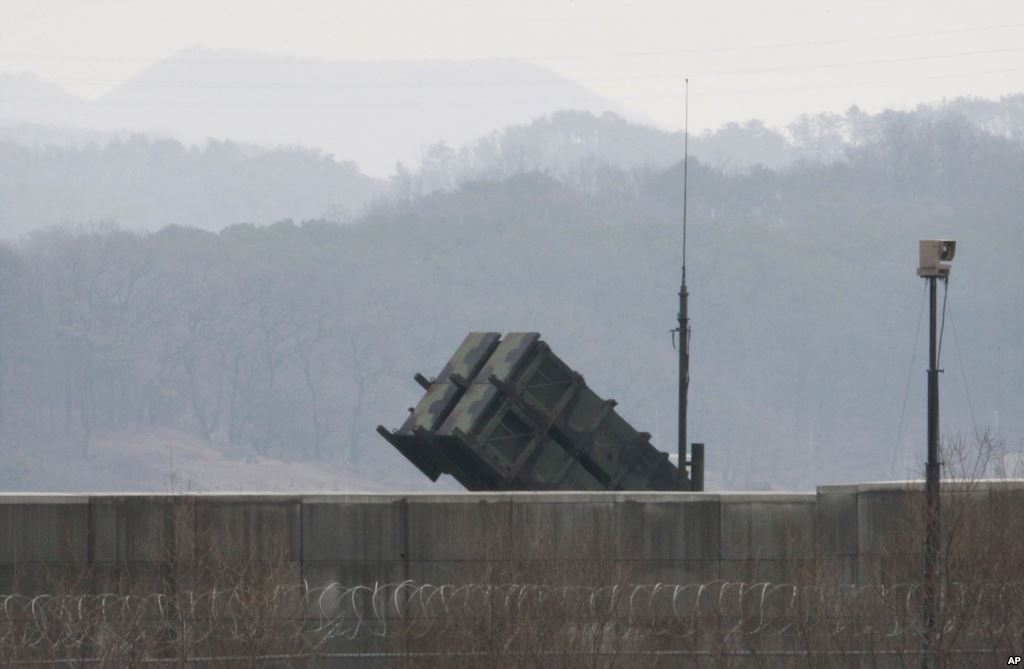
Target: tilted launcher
point(508, 414)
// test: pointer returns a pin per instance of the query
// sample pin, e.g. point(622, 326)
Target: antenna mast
point(685, 482)
point(686, 161)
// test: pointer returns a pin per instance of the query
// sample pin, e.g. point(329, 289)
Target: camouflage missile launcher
point(508, 414)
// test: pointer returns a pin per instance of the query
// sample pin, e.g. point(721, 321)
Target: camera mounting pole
point(935, 257)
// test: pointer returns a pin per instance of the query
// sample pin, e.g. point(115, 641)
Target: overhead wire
point(872, 82)
point(942, 327)
point(786, 45)
point(558, 79)
point(758, 46)
point(906, 392)
point(629, 98)
point(963, 375)
point(859, 63)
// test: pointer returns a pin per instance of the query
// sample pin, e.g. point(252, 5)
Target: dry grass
point(562, 602)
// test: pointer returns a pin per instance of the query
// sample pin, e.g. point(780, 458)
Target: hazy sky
point(744, 57)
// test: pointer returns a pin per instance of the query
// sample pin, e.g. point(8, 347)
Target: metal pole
point(684, 318)
point(684, 378)
point(697, 476)
point(932, 478)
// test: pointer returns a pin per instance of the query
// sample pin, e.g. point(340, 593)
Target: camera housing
point(935, 257)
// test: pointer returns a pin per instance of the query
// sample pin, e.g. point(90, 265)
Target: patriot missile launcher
point(508, 414)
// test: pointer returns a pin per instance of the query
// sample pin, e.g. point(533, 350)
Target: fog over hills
point(144, 183)
point(54, 175)
point(285, 344)
point(227, 332)
point(373, 113)
point(27, 99)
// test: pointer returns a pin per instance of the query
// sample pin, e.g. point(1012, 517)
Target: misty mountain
point(38, 135)
point(27, 99)
point(574, 145)
point(293, 341)
point(577, 145)
point(144, 183)
point(373, 113)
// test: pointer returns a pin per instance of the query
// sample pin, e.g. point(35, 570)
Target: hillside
point(372, 113)
point(145, 183)
point(163, 460)
point(576, 145)
point(296, 340)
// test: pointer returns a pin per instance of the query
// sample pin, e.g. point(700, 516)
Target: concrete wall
point(872, 532)
point(438, 538)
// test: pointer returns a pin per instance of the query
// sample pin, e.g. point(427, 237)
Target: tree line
point(145, 183)
point(297, 339)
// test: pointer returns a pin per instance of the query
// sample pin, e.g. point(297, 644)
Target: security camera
point(948, 250)
point(936, 255)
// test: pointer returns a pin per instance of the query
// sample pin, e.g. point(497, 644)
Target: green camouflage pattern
point(506, 413)
point(481, 396)
point(442, 396)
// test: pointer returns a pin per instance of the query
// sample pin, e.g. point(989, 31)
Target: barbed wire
point(317, 614)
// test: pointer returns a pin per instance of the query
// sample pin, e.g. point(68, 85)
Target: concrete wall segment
point(42, 498)
point(658, 530)
point(560, 531)
point(885, 518)
point(658, 536)
point(141, 529)
point(363, 531)
point(755, 530)
point(463, 529)
point(47, 532)
point(259, 529)
point(836, 522)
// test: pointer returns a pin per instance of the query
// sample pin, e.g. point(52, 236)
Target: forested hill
point(145, 183)
point(575, 145)
point(294, 341)
point(372, 112)
point(51, 175)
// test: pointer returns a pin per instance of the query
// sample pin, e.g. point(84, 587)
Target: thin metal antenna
point(686, 160)
point(695, 480)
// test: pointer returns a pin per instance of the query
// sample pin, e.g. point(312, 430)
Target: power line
point(581, 56)
point(963, 375)
point(858, 63)
point(559, 80)
point(942, 329)
point(617, 99)
point(785, 45)
point(856, 84)
point(906, 393)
